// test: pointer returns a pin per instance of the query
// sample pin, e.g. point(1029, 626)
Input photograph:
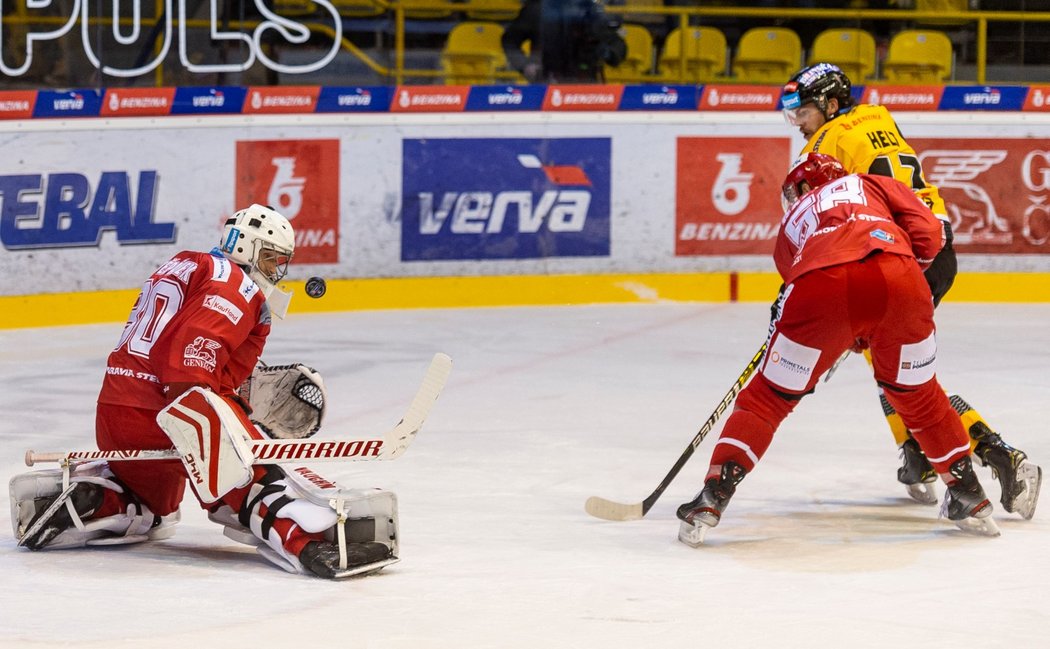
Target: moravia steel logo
point(505, 198)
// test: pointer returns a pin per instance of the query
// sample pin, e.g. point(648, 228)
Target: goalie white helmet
point(261, 240)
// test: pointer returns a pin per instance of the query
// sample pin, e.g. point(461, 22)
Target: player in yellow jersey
point(866, 139)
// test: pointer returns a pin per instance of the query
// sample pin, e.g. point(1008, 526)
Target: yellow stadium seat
point(473, 53)
point(853, 50)
point(639, 60)
point(496, 10)
point(704, 52)
point(767, 55)
point(918, 56)
point(357, 8)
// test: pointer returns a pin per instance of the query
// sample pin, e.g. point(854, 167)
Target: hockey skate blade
point(923, 492)
point(367, 569)
point(611, 511)
point(978, 526)
point(1032, 477)
point(692, 534)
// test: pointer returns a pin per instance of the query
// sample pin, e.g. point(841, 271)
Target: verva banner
point(997, 191)
point(300, 179)
point(728, 194)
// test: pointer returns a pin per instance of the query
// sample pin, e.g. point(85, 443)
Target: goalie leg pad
point(211, 438)
point(50, 510)
point(351, 531)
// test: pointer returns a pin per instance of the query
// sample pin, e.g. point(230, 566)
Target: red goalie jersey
point(849, 218)
point(199, 319)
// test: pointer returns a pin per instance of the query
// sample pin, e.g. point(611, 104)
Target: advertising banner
point(505, 198)
point(997, 191)
point(728, 194)
point(300, 179)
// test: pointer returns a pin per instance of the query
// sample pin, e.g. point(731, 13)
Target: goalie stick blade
point(612, 511)
point(390, 447)
point(400, 436)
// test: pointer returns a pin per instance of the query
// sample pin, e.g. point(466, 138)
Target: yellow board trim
point(57, 309)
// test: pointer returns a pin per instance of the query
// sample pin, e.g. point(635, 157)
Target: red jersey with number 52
point(199, 319)
point(849, 218)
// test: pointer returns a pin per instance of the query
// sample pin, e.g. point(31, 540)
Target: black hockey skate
point(53, 516)
point(705, 511)
point(322, 558)
point(1019, 479)
point(917, 474)
point(965, 503)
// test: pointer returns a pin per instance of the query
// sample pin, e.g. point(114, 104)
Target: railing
point(398, 12)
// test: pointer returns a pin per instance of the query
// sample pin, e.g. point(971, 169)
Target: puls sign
point(127, 31)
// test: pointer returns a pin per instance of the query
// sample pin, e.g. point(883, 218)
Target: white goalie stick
point(388, 447)
point(614, 511)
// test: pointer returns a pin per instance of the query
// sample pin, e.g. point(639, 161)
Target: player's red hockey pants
point(883, 302)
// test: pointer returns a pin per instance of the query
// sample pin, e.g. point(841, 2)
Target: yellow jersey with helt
point(866, 140)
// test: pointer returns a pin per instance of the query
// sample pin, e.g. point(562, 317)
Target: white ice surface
point(545, 407)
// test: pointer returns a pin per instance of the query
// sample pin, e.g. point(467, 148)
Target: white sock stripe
point(740, 445)
point(964, 447)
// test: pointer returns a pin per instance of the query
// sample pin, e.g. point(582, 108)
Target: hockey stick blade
point(613, 511)
point(400, 436)
point(390, 446)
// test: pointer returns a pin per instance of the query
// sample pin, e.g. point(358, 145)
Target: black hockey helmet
point(817, 84)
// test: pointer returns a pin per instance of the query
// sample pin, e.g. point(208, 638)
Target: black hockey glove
point(941, 273)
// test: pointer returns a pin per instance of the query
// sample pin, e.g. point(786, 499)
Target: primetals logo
point(505, 199)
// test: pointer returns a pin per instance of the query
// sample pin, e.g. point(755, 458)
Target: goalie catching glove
point(287, 401)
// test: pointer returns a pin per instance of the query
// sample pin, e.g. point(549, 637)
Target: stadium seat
point(853, 50)
point(767, 55)
point(918, 56)
point(704, 51)
point(473, 53)
point(639, 60)
point(493, 10)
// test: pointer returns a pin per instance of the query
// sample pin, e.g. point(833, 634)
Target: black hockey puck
point(315, 287)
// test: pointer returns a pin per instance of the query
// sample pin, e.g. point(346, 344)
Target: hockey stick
point(389, 447)
point(614, 511)
point(831, 371)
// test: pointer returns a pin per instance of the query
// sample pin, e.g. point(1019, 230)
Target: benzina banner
point(728, 194)
point(300, 179)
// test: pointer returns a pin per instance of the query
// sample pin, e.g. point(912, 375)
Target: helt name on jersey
point(883, 139)
point(64, 210)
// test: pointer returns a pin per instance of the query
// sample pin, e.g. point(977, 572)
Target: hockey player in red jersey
point(851, 250)
point(193, 337)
